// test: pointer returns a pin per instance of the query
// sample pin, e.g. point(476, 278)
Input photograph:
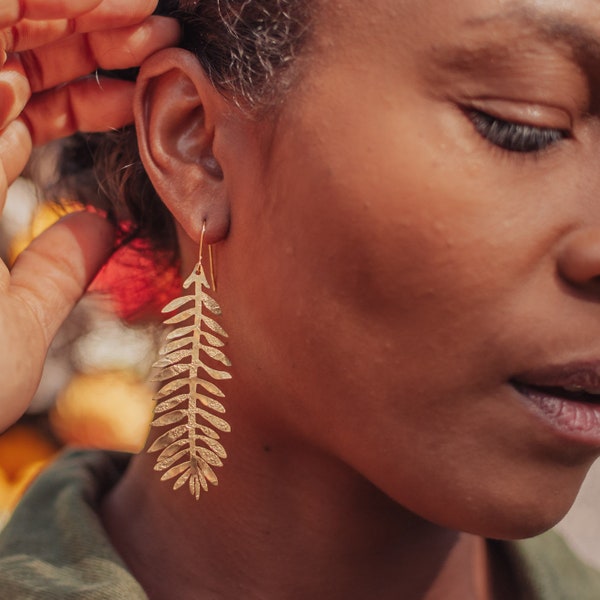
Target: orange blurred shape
point(110, 410)
point(20, 447)
point(17, 488)
point(23, 454)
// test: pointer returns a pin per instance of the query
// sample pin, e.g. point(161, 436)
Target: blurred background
point(94, 391)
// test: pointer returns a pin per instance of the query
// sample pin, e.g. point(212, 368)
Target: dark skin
point(386, 266)
point(378, 236)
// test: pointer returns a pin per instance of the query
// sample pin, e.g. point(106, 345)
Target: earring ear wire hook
point(211, 259)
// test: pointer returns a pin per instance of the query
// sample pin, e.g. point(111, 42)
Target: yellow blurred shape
point(44, 217)
point(110, 410)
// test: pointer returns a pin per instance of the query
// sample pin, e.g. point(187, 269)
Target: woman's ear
point(178, 113)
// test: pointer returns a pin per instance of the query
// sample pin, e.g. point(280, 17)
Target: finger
point(12, 11)
point(15, 92)
point(27, 33)
point(15, 150)
point(52, 274)
point(88, 105)
point(110, 14)
point(80, 55)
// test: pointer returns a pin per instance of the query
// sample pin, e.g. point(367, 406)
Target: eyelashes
point(515, 137)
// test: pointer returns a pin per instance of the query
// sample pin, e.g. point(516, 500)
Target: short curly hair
point(245, 46)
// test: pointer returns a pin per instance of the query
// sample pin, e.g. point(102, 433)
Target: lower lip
point(576, 421)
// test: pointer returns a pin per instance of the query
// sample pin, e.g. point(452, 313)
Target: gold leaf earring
point(187, 399)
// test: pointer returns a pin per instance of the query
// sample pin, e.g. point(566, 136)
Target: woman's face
point(419, 231)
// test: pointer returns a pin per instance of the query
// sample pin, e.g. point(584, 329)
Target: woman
point(402, 201)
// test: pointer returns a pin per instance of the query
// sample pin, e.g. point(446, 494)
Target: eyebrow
point(574, 40)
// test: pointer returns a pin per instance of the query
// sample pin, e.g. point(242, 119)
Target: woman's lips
point(566, 397)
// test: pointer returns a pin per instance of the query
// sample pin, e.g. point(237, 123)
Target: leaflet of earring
point(187, 400)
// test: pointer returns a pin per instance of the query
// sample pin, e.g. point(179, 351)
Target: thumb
point(51, 275)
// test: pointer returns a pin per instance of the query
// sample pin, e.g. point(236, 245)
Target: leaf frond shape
point(180, 317)
point(178, 303)
point(172, 372)
point(214, 341)
point(211, 304)
point(172, 359)
point(196, 482)
point(209, 433)
point(174, 345)
point(203, 482)
point(176, 470)
point(166, 405)
point(188, 399)
point(211, 403)
point(214, 373)
point(208, 473)
point(215, 447)
point(210, 457)
point(172, 449)
point(212, 324)
point(211, 388)
point(216, 354)
point(183, 479)
point(167, 389)
point(216, 422)
point(181, 332)
point(169, 418)
point(168, 438)
point(169, 461)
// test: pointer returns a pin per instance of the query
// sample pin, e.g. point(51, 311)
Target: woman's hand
point(47, 48)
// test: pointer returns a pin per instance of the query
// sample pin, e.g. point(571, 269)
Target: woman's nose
point(579, 259)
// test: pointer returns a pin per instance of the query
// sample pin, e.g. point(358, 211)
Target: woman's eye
point(515, 137)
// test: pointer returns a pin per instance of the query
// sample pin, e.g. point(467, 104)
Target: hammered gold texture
point(189, 448)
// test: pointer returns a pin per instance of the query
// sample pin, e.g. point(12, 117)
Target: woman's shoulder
point(55, 546)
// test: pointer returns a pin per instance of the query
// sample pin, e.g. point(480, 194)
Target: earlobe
point(178, 113)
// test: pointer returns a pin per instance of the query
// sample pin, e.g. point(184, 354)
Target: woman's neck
point(286, 524)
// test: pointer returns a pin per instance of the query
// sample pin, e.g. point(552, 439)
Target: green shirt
point(55, 548)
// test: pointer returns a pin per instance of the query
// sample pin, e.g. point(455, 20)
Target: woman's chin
point(515, 522)
point(511, 517)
